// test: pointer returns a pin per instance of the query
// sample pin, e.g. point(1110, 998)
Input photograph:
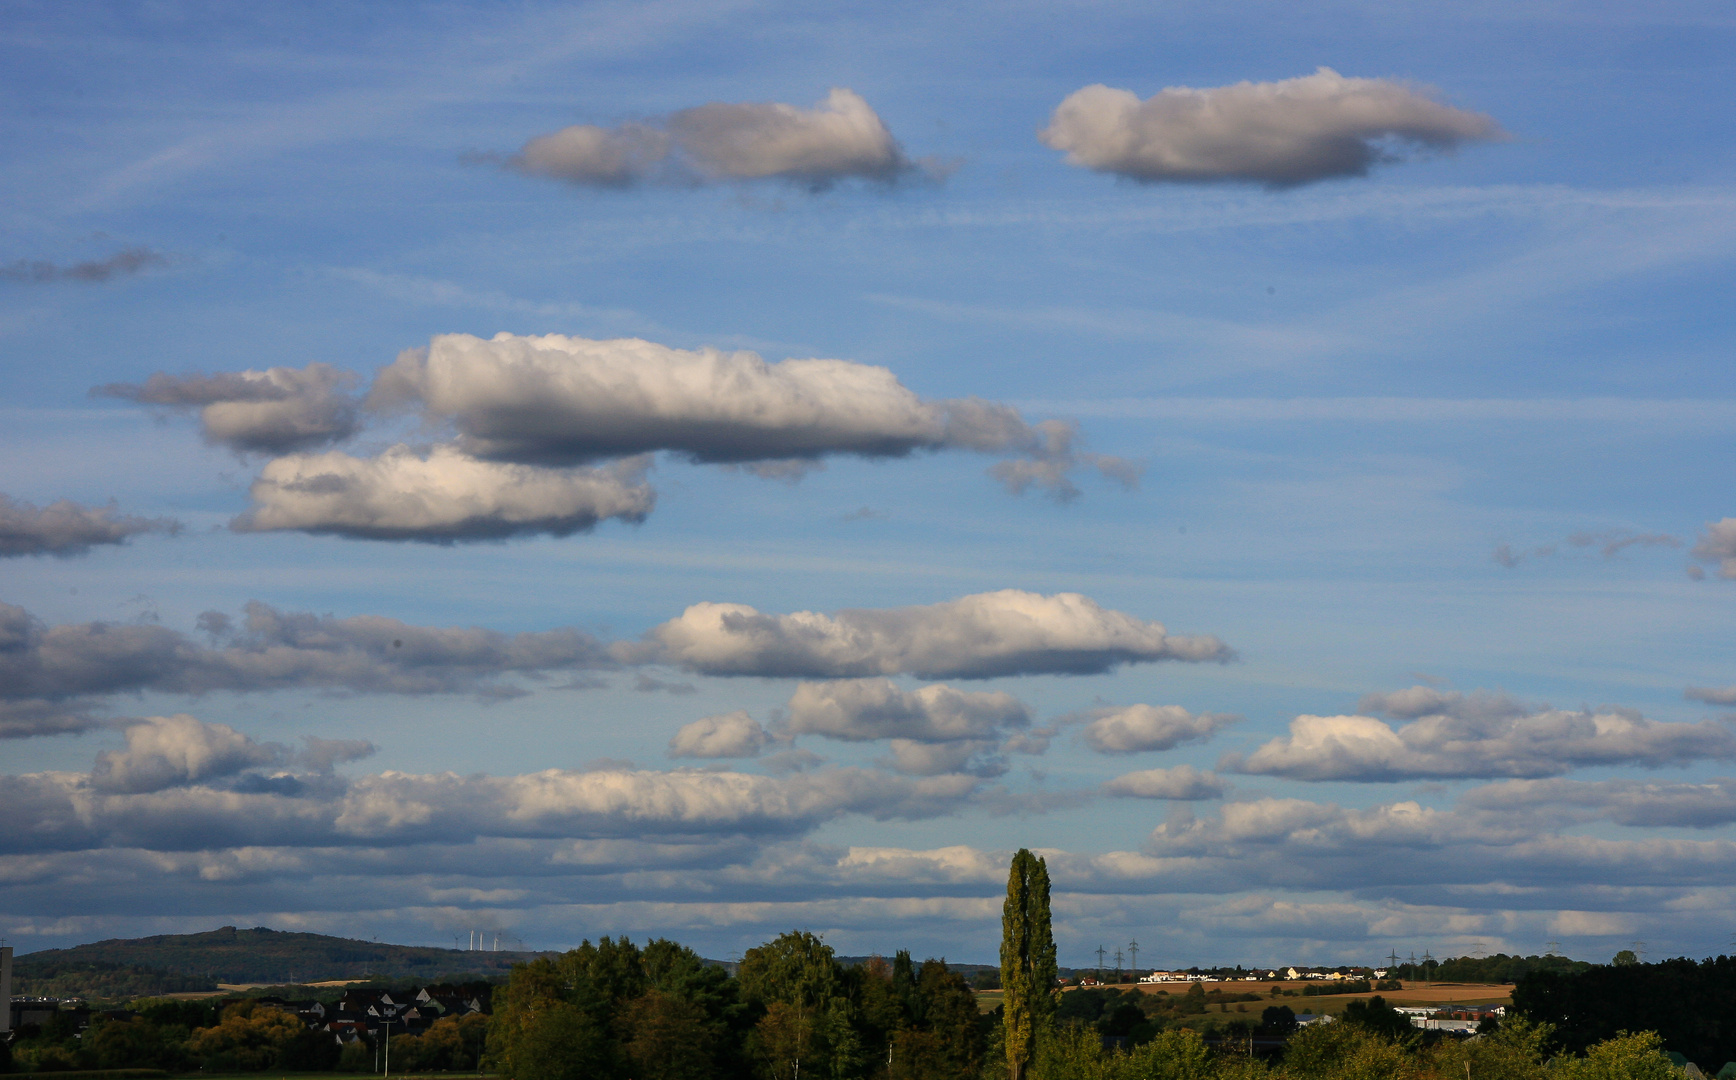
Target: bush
point(1626, 1057)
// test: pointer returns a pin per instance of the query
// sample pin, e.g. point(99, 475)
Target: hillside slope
point(259, 955)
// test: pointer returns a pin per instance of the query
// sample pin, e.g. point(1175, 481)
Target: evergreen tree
point(1027, 960)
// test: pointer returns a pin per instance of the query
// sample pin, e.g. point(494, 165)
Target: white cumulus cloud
point(168, 751)
point(1479, 736)
point(1182, 783)
point(974, 637)
point(840, 138)
point(1718, 545)
point(274, 411)
point(1293, 131)
point(732, 735)
point(443, 496)
point(860, 710)
point(1138, 728)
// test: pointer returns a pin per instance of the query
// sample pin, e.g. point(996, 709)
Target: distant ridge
point(258, 955)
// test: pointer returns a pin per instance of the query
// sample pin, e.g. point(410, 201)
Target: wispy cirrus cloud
point(123, 263)
point(1609, 543)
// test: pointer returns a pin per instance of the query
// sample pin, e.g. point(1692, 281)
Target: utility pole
point(1392, 962)
point(1118, 967)
point(1133, 956)
point(1554, 947)
point(1100, 951)
point(387, 1024)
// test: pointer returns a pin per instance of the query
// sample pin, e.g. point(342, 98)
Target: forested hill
point(259, 955)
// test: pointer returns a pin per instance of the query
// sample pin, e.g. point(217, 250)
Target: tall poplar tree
point(1027, 961)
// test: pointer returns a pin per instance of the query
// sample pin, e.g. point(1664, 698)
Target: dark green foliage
point(1279, 1020)
point(1375, 1016)
point(99, 980)
point(613, 1009)
point(1689, 1004)
point(1499, 968)
point(1027, 960)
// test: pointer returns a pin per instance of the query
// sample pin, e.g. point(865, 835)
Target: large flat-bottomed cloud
point(840, 138)
point(442, 497)
point(558, 400)
point(974, 637)
point(554, 400)
point(66, 528)
point(1281, 134)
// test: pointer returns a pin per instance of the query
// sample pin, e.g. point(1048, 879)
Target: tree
point(1027, 960)
point(536, 1033)
point(251, 1037)
point(1625, 958)
point(667, 1037)
point(1376, 1016)
point(1278, 1020)
point(797, 978)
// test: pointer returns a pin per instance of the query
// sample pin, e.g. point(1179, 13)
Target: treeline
point(1350, 1050)
point(1499, 968)
point(1692, 1005)
point(792, 1009)
point(102, 980)
point(229, 1036)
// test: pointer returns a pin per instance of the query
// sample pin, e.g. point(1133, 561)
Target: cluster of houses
point(360, 1014)
point(363, 1013)
point(1270, 976)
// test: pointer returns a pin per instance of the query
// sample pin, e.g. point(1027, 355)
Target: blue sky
point(1454, 424)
